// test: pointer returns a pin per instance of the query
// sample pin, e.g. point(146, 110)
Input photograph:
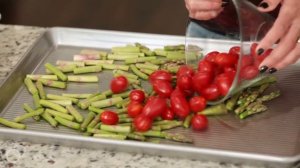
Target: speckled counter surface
point(14, 42)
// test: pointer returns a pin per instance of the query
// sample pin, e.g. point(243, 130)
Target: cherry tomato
point(160, 75)
point(229, 70)
point(178, 92)
point(185, 70)
point(109, 118)
point(249, 72)
point(201, 80)
point(223, 82)
point(235, 50)
point(185, 82)
point(162, 88)
point(199, 122)
point(168, 114)
point(197, 103)
point(211, 92)
point(225, 59)
point(211, 56)
point(137, 95)
point(119, 84)
point(142, 123)
point(205, 66)
point(179, 105)
point(134, 108)
point(154, 107)
point(246, 61)
point(188, 93)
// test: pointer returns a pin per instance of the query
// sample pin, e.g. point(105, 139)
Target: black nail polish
point(224, 4)
point(260, 51)
point(272, 70)
point(263, 69)
point(264, 5)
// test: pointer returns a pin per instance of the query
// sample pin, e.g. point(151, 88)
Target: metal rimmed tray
point(271, 138)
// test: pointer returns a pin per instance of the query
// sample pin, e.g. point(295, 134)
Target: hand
point(204, 9)
point(286, 30)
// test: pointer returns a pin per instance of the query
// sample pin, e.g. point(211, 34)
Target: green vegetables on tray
point(127, 110)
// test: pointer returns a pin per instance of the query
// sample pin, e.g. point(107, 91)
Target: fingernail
point(264, 5)
point(263, 68)
point(272, 70)
point(224, 4)
point(260, 51)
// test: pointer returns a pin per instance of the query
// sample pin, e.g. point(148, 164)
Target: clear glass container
point(240, 24)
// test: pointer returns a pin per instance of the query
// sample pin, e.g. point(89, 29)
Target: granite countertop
point(14, 41)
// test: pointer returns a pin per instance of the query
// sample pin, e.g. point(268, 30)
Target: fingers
point(279, 57)
point(268, 5)
point(205, 15)
point(203, 5)
point(278, 30)
point(291, 58)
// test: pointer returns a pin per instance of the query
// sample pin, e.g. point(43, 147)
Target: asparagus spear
point(54, 106)
point(12, 124)
point(72, 63)
point(46, 116)
point(51, 83)
point(28, 115)
point(87, 120)
point(219, 109)
point(28, 109)
point(88, 69)
point(30, 86)
point(56, 71)
point(78, 117)
point(36, 77)
point(82, 78)
point(41, 90)
point(67, 123)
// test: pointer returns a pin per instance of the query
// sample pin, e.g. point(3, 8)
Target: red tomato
point(225, 59)
point(205, 66)
point(179, 105)
point(162, 88)
point(154, 107)
point(211, 92)
point(246, 61)
point(137, 95)
point(185, 70)
point(223, 82)
point(168, 114)
point(119, 84)
point(249, 72)
point(178, 92)
point(160, 75)
point(229, 70)
point(199, 122)
point(197, 103)
point(201, 80)
point(211, 56)
point(109, 118)
point(235, 50)
point(188, 93)
point(134, 108)
point(185, 82)
point(142, 123)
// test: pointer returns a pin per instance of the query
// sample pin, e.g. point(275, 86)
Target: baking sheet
point(271, 138)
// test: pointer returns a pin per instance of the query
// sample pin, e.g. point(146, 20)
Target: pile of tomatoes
point(188, 94)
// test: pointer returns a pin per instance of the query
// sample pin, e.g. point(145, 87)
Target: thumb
point(268, 5)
